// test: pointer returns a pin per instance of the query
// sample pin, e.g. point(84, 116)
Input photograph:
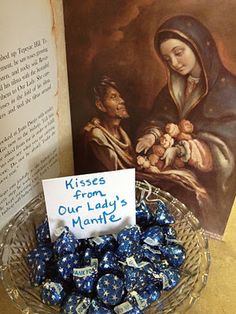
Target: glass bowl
point(19, 239)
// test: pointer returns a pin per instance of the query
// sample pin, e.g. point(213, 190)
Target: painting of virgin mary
point(195, 113)
point(174, 64)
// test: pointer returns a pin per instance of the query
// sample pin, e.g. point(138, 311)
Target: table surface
point(218, 297)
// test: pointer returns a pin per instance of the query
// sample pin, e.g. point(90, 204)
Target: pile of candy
point(119, 273)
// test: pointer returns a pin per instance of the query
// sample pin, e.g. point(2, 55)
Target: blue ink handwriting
point(80, 194)
point(75, 183)
point(101, 219)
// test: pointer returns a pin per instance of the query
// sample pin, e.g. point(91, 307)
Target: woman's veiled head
point(179, 56)
point(197, 37)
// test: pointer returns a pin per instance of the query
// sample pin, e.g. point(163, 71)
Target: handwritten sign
point(91, 204)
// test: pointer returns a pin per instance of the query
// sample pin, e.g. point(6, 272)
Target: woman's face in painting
point(180, 57)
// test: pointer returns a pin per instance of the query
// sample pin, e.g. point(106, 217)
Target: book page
point(29, 139)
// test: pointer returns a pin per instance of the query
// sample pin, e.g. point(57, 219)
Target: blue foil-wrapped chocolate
point(97, 307)
point(52, 293)
point(150, 254)
point(43, 253)
point(153, 236)
point(146, 266)
point(66, 243)
point(103, 243)
point(75, 304)
point(174, 254)
point(66, 264)
point(163, 264)
point(85, 279)
point(110, 289)
point(169, 234)
point(42, 232)
point(132, 233)
point(136, 278)
point(89, 255)
point(162, 215)
point(83, 306)
point(109, 263)
point(170, 277)
point(70, 303)
point(38, 272)
point(128, 249)
point(144, 214)
point(150, 294)
point(144, 297)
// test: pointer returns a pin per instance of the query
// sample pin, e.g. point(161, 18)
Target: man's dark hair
point(102, 85)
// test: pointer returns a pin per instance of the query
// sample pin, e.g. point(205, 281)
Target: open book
point(147, 90)
point(35, 140)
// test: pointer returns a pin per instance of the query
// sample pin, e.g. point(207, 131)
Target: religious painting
point(153, 86)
